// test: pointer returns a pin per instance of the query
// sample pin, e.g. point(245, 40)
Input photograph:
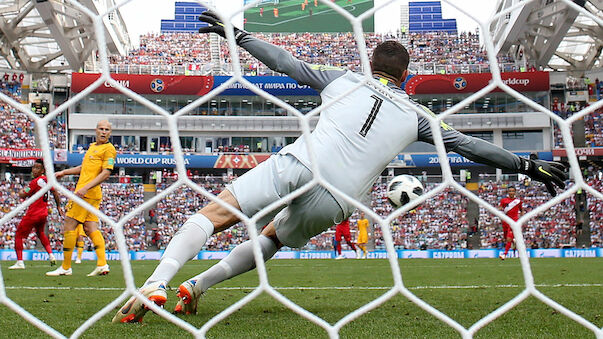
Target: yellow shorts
point(362, 238)
point(80, 230)
point(81, 214)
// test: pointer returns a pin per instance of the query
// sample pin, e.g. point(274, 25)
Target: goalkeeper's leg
point(185, 244)
point(239, 261)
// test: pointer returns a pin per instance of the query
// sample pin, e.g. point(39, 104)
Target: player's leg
point(348, 239)
point(506, 229)
point(91, 228)
point(40, 226)
point(509, 241)
point(338, 236)
point(293, 226)
point(98, 241)
point(249, 194)
point(23, 230)
point(193, 234)
point(69, 238)
point(238, 261)
point(256, 189)
point(362, 240)
point(185, 244)
point(363, 248)
point(79, 244)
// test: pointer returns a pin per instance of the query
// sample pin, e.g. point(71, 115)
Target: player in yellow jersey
point(96, 167)
point(363, 237)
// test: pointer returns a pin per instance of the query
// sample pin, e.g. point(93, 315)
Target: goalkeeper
point(361, 123)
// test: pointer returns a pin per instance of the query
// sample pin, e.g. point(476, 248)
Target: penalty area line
point(312, 287)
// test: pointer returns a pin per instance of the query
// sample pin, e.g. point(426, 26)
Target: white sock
point(238, 261)
point(185, 244)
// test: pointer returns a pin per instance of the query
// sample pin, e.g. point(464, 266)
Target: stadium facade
point(239, 117)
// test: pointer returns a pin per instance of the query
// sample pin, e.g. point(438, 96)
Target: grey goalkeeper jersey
point(364, 126)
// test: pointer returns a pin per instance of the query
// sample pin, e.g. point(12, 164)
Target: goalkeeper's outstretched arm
point(276, 58)
point(477, 150)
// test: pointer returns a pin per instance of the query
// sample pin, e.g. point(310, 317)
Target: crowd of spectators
point(192, 52)
point(17, 129)
point(438, 223)
point(593, 125)
point(119, 199)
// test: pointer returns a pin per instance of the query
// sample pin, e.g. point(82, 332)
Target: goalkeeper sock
point(80, 249)
point(185, 244)
point(240, 260)
point(99, 247)
point(68, 244)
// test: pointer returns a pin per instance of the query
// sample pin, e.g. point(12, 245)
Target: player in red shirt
point(511, 205)
point(343, 230)
point(36, 214)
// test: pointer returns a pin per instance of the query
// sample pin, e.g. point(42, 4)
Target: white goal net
point(265, 286)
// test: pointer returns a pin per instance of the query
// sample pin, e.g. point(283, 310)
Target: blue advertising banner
point(275, 85)
point(493, 253)
point(151, 160)
point(212, 161)
point(412, 254)
point(9, 255)
point(579, 252)
point(455, 160)
point(439, 254)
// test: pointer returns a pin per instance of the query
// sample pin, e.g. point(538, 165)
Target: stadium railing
point(227, 69)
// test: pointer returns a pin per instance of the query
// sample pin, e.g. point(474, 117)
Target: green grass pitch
point(292, 19)
point(464, 289)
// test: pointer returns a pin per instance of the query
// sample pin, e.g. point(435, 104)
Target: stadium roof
point(53, 36)
point(552, 34)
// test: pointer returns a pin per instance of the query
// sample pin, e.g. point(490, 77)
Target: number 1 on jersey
point(372, 115)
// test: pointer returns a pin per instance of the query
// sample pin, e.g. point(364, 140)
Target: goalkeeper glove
point(547, 172)
point(217, 26)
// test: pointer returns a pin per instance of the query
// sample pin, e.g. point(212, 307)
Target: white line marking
point(313, 287)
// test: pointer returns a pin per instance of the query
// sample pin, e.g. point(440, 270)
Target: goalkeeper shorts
point(307, 215)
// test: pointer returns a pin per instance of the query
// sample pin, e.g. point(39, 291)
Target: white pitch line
point(313, 287)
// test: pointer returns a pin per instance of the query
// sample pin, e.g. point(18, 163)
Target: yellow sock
point(363, 248)
point(80, 249)
point(99, 247)
point(69, 240)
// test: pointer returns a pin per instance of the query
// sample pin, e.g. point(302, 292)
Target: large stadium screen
point(305, 16)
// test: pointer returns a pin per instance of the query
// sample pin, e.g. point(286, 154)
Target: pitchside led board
point(302, 16)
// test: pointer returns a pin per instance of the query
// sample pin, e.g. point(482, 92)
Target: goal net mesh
point(264, 286)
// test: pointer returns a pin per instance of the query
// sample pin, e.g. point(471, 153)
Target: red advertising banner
point(239, 160)
point(17, 154)
point(473, 82)
point(146, 83)
point(585, 151)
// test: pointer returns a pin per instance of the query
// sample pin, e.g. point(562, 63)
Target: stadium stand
point(459, 53)
point(17, 130)
point(439, 223)
point(593, 124)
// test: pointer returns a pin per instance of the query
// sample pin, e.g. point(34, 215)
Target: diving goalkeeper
point(369, 125)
